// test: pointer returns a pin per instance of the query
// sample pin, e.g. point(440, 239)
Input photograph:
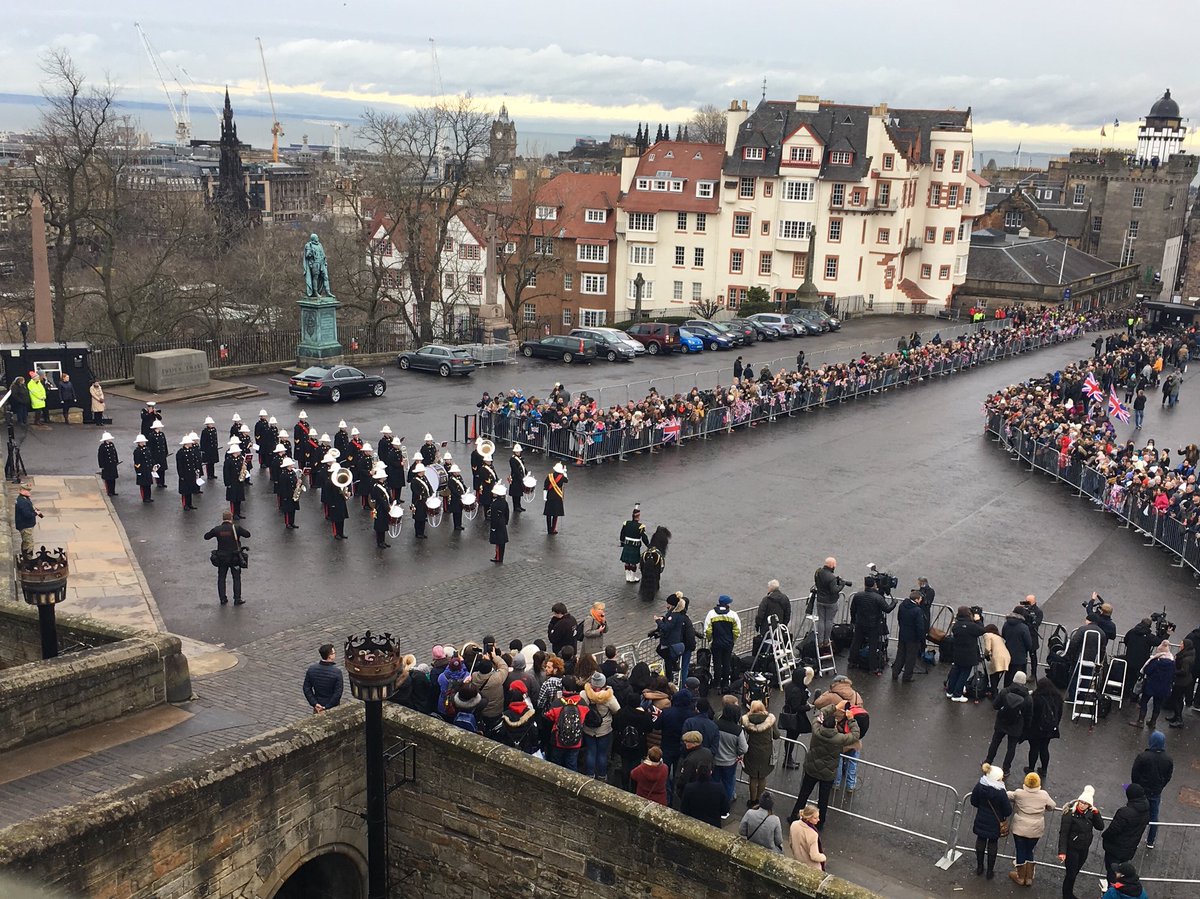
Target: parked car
point(445, 360)
point(776, 322)
point(746, 329)
point(561, 347)
point(620, 335)
point(810, 317)
point(835, 324)
point(656, 337)
point(689, 342)
point(805, 326)
point(335, 383)
point(761, 331)
point(713, 339)
point(609, 347)
point(735, 338)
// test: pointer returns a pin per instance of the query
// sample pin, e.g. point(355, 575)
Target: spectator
point(805, 837)
point(455, 673)
point(991, 807)
point(20, 399)
point(1124, 833)
point(841, 689)
point(722, 628)
point(562, 629)
point(669, 629)
point(1139, 409)
point(964, 645)
point(1158, 678)
point(440, 660)
point(995, 656)
point(827, 588)
point(402, 690)
point(761, 734)
point(1019, 641)
point(519, 721)
point(566, 726)
point(1080, 818)
point(66, 396)
point(702, 722)
point(650, 777)
point(96, 393)
point(1030, 804)
point(1152, 771)
point(1033, 618)
point(25, 518)
point(1126, 885)
point(795, 720)
point(465, 701)
point(323, 681)
point(695, 757)
point(670, 726)
point(490, 676)
point(630, 726)
point(37, 399)
point(1043, 724)
point(762, 826)
point(519, 672)
point(1014, 708)
point(598, 725)
point(595, 628)
point(584, 666)
point(610, 664)
point(551, 687)
point(775, 603)
point(1139, 646)
point(704, 799)
point(1181, 687)
point(731, 745)
point(822, 759)
point(913, 626)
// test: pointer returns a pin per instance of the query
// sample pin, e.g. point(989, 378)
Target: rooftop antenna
point(764, 91)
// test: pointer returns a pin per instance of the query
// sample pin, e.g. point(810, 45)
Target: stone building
point(1021, 208)
point(502, 142)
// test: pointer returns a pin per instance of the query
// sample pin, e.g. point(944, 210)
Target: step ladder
point(1084, 697)
point(826, 661)
point(1114, 680)
point(782, 652)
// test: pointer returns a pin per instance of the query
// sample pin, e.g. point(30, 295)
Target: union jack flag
point(1092, 387)
point(1116, 408)
point(670, 430)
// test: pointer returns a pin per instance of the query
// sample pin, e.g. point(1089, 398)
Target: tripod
point(14, 465)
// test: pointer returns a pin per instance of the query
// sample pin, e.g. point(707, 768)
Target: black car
point(700, 327)
point(748, 331)
point(445, 360)
point(805, 325)
point(565, 349)
point(608, 344)
point(335, 383)
point(761, 331)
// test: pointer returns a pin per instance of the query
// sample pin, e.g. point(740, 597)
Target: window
point(939, 160)
point(765, 228)
point(593, 318)
point(835, 230)
point(468, 251)
point(381, 246)
point(643, 183)
point(1133, 229)
point(1097, 221)
point(798, 190)
point(737, 296)
point(927, 271)
point(801, 154)
point(677, 186)
point(952, 195)
point(944, 273)
point(566, 318)
point(736, 261)
point(701, 221)
point(746, 188)
point(1139, 197)
point(831, 268)
point(889, 161)
point(681, 221)
point(858, 196)
point(930, 235)
point(449, 281)
point(640, 254)
point(593, 283)
point(598, 216)
point(794, 230)
point(681, 255)
point(958, 161)
point(967, 195)
point(677, 290)
point(799, 265)
point(754, 153)
point(546, 213)
point(698, 257)
point(947, 235)
point(641, 221)
point(764, 262)
point(543, 246)
point(529, 313)
point(883, 235)
point(741, 224)
point(392, 279)
point(697, 290)
point(568, 281)
point(510, 247)
point(531, 279)
point(768, 189)
point(962, 230)
point(705, 189)
point(1077, 199)
point(884, 193)
point(960, 265)
point(647, 290)
point(591, 252)
point(935, 194)
point(1014, 219)
point(839, 157)
point(1127, 254)
point(660, 184)
point(837, 196)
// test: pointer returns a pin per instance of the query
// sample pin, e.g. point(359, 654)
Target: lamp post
point(638, 283)
point(373, 663)
point(24, 328)
point(43, 577)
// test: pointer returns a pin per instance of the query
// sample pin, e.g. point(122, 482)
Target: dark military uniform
point(107, 461)
point(632, 538)
point(498, 529)
point(552, 491)
point(336, 509)
point(516, 482)
point(149, 417)
point(187, 468)
point(159, 453)
point(143, 464)
point(380, 506)
point(421, 491)
point(457, 488)
point(266, 443)
point(285, 484)
point(487, 480)
point(235, 488)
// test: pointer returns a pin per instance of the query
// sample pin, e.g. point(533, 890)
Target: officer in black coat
point(143, 465)
point(150, 415)
point(266, 445)
point(498, 523)
point(341, 440)
point(159, 452)
point(421, 491)
point(364, 463)
point(107, 461)
point(516, 478)
point(380, 506)
point(458, 487)
point(210, 447)
point(231, 477)
point(187, 468)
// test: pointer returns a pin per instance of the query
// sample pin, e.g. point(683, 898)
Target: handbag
point(1002, 821)
point(789, 722)
point(774, 753)
point(936, 635)
point(243, 551)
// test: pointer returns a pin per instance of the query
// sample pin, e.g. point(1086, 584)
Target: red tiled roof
point(681, 163)
point(982, 182)
point(571, 194)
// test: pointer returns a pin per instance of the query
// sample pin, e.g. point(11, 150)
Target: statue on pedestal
point(316, 269)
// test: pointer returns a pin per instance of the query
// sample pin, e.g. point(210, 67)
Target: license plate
point(300, 384)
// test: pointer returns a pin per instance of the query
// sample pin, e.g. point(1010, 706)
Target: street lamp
point(373, 662)
point(638, 283)
point(43, 577)
point(24, 326)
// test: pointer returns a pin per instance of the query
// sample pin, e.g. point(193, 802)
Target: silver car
point(776, 322)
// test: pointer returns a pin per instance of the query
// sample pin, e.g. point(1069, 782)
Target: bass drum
point(470, 504)
point(433, 506)
point(435, 474)
point(395, 519)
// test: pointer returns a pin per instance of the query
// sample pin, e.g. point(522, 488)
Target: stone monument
point(318, 311)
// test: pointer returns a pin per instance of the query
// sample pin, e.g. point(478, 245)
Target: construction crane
point(180, 114)
point(276, 128)
point(337, 136)
point(437, 69)
point(207, 102)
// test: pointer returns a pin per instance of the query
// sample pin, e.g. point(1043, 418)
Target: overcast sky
point(1047, 74)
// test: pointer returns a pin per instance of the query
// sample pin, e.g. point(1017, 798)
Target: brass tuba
point(342, 479)
point(487, 449)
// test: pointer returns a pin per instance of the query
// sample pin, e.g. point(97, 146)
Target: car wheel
point(713, 347)
point(612, 356)
point(444, 370)
point(379, 388)
point(335, 395)
point(652, 349)
point(527, 352)
point(568, 357)
point(404, 363)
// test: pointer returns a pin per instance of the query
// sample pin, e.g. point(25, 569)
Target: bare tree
point(705, 308)
point(707, 126)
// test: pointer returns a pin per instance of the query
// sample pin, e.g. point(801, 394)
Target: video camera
point(884, 581)
point(1163, 628)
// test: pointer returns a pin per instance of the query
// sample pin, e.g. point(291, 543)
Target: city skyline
point(561, 76)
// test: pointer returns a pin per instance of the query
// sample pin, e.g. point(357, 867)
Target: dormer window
point(802, 154)
point(596, 216)
point(754, 153)
point(643, 183)
point(546, 213)
point(839, 157)
point(705, 189)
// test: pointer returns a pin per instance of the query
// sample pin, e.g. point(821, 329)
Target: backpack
point(568, 729)
point(1047, 723)
point(466, 720)
point(631, 739)
point(977, 686)
point(579, 632)
point(864, 720)
point(592, 718)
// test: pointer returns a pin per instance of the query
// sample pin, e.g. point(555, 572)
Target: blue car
point(689, 342)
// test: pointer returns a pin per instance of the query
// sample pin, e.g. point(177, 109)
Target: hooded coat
point(1125, 831)
point(1158, 677)
point(606, 706)
point(1013, 707)
point(1018, 639)
point(761, 734)
point(1153, 768)
point(670, 723)
point(838, 691)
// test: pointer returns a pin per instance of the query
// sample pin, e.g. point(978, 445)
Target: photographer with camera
point(1139, 644)
point(827, 587)
point(1099, 613)
point(964, 642)
point(1033, 619)
point(868, 614)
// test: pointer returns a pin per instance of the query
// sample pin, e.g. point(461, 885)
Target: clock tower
point(503, 140)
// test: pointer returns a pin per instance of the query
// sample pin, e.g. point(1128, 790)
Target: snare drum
point(433, 507)
point(529, 485)
point(395, 519)
point(470, 504)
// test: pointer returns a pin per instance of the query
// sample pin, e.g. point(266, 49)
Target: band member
point(210, 447)
point(150, 415)
point(260, 437)
point(247, 450)
point(421, 491)
point(516, 478)
point(364, 464)
point(380, 506)
point(487, 480)
point(284, 439)
point(143, 467)
point(476, 462)
point(336, 509)
point(341, 440)
point(498, 523)
point(319, 477)
point(289, 484)
point(633, 536)
point(300, 434)
point(233, 475)
point(398, 472)
point(107, 461)
point(457, 487)
point(386, 451)
point(654, 560)
point(428, 451)
point(273, 463)
point(228, 556)
point(159, 453)
point(552, 496)
point(235, 426)
point(187, 467)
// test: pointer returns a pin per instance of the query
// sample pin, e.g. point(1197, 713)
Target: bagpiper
point(498, 523)
point(150, 415)
point(457, 487)
point(233, 475)
point(107, 461)
point(260, 437)
point(289, 486)
point(187, 468)
point(428, 451)
point(210, 447)
point(516, 478)
point(381, 505)
point(654, 560)
point(421, 491)
point(552, 497)
point(633, 537)
point(143, 467)
point(159, 453)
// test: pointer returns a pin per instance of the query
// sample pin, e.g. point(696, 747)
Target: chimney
point(745, 106)
point(880, 110)
point(808, 103)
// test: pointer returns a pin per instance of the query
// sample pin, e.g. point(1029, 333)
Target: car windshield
point(724, 329)
point(684, 332)
point(313, 374)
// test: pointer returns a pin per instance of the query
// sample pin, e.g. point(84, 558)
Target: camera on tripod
point(1163, 628)
point(884, 581)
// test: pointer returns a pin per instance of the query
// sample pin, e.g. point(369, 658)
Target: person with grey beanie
point(762, 826)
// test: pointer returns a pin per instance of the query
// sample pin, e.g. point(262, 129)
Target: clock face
point(499, 134)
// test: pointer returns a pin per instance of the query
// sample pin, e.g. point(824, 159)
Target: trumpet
point(341, 478)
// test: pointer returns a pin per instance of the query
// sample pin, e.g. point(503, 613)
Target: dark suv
point(657, 337)
point(607, 345)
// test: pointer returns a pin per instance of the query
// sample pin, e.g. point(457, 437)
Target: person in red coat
point(650, 777)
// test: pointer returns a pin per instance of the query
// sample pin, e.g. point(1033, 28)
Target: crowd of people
point(578, 428)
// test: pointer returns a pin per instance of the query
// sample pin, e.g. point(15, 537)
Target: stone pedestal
point(318, 332)
point(170, 370)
